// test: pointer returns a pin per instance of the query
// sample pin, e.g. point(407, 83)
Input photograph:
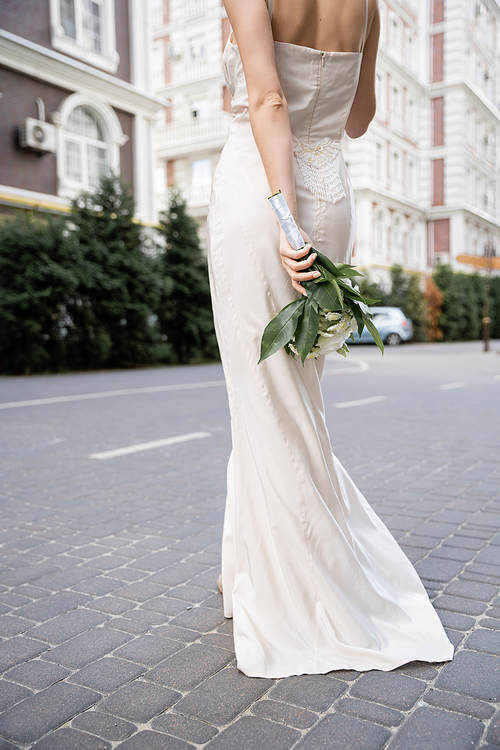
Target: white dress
point(312, 578)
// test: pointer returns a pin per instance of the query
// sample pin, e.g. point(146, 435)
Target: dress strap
point(367, 4)
point(270, 9)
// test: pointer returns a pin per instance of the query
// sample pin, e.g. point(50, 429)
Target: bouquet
point(333, 310)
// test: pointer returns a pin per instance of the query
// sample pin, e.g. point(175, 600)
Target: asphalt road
point(101, 470)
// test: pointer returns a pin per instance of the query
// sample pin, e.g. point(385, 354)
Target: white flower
point(330, 338)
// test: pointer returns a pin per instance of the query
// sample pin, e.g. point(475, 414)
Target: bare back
point(329, 25)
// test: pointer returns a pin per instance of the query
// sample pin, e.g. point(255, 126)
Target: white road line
point(360, 402)
point(451, 386)
point(148, 446)
point(360, 366)
point(108, 394)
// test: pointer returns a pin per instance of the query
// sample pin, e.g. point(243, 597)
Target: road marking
point(360, 402)
point(148, 446)
point(360, 366)
point(108, 394)
point(451, 386)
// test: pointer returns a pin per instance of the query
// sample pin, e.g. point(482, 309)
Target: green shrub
point(118, 286)
point(38, 281)
point(462, 309)
point(185, 311)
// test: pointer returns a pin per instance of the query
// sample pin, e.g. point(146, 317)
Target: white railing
point(187, 70)
point(194, 8)
point(196, 197)
point(186, 134)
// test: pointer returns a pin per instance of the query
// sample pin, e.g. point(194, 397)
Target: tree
point(118, 285)
point(461, 315)
point(434, 298)
point(37, 283)
point(185, 310)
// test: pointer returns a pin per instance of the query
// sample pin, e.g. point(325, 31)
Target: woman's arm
point(268, 115)
point(267, 104)
point(364, 104)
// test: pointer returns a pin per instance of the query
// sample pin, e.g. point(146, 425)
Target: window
point(411, 181)
point(396, 171)
point(397, 242)
point(197, 47)
point(200, 109)
point(379, 163)
point(411, 117)
point(201, 173)
point(90, 137)
point(158, 64)
point(86, 29)
point(379, 235)
point(395, 37)
point(85, 151)
point(396, 109)
point(380, 94)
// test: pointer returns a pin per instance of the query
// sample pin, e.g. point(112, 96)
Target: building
point(425, 175)
point(189, 37)
point(75, 100)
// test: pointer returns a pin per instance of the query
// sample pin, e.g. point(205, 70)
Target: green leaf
point(354, 307)
point(376, 335)
point(307, 330)
point(350, 292)
point(346, 269)
point(326, 295)
point(322, 260)
point(280, 330)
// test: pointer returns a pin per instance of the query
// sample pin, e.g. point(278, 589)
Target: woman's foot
point(219, 583)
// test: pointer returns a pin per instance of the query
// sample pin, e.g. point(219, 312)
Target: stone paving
point(112, 628)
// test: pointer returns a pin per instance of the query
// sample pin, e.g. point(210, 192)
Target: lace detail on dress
point(316, 164)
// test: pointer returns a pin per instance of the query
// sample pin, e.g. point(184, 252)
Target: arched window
point(86, 156)
point(90, 137)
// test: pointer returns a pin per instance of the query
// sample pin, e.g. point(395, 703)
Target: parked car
point(392, 324)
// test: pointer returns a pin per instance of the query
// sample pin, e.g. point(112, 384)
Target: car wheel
point(393, 339)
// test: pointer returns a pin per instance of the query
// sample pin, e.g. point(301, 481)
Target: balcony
point(197, 198)
point(189, 136)
point(185, 69)
point(194, 8)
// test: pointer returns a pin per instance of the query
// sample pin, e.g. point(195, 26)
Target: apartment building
point(75, 100)
point(425, 175)
point(189, 37)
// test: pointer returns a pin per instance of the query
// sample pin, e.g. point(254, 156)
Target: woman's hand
point(292, 263)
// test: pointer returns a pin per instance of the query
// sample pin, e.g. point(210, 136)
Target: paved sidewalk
point(112, 626)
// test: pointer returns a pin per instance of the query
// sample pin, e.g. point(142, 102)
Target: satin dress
point(312, 578)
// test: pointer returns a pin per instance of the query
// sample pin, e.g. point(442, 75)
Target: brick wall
point(27, 18)
point(441, 236)
point(30, 19)
point(127, 122)
point(438, 11)
point(21, 168)
point(437, 57)
point(170, 174)
point(122, 39)
point(438, 182)
point(438, 121)
point(27, 170)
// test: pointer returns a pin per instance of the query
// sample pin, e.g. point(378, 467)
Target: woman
point(311, 576)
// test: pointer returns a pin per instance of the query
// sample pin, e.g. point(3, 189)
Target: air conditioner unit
point(38, 135)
